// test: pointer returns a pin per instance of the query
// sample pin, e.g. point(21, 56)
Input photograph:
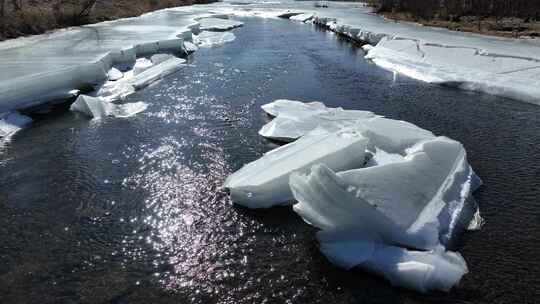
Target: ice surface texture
point(95, 107)
point(47, 67)
point(404, 188)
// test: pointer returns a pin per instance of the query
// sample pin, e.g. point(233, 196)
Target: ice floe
point(141, 65)
point(218, 24)
point(209, 39)
point(406, 193)
point(265, 182)
point(95, 107)
point(114, 74)
point(422, 271)
point(302, 17)
point(161, 66)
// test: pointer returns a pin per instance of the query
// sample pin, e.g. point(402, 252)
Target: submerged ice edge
point(515, 83)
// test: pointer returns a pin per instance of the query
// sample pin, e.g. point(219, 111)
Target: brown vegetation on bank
point(28, 17)
point(510, 18)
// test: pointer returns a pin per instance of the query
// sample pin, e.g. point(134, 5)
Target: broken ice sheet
point(295, 118)
point(12, 122)
point(210, 39)
point(96, 107)
point(119, 89)
point(265, 182)
point(218, 24)
point(407, 203)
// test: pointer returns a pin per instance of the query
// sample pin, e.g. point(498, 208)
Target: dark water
point(130, 211)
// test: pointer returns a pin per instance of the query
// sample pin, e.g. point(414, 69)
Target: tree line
point(428, 9)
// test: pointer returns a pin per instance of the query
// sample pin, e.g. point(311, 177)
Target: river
point(131, 210)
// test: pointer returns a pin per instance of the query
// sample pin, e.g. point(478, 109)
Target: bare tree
point(17, 5)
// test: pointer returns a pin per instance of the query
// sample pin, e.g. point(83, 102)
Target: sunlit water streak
point(131, 210)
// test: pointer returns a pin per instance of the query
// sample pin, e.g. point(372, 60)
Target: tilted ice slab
point(96, 107)
point(284, 106)
point(499, 66)
point(407, 203)
point(464, 67)
point(369, 216)
point(218, 24)
point(265, 182)
point(138, 79)
point(295, 118)
point(47, 67)
point(417, 270)
point(393, 214)
point(210, 39)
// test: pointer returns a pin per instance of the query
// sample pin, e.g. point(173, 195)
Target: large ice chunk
point(96, 107)
point(295, 118)
point(132, 81)
point(286, 106)
point(157, 72)
point(418, 270)
point(210, 39)
point(407, 203)
point(114, 74)
point(265, 182)
point(302, 17)
point(141, 65)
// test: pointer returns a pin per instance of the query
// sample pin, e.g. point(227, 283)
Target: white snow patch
point(96, 107)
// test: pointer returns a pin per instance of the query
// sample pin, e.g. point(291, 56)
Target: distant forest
point(428, 9)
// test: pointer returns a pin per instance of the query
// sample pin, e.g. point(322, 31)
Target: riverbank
point(507, 27)
point(32, 18)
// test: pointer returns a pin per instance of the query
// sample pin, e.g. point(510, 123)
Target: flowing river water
point(131, 210)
